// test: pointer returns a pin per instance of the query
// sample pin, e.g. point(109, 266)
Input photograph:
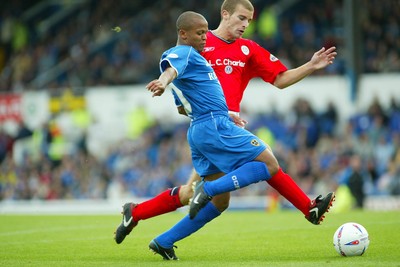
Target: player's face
point(238, 22)
point(196, 36)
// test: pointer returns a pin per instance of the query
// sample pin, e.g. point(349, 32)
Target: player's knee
point(222, 206)
point(221, 202)
point(185, 193)
point(270, 161)
point(273, 166)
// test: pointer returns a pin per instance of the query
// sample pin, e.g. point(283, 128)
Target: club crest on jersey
point(273, 58)
point(208, 49)
point(245, 50)
point(228, 69)
point(254, 142)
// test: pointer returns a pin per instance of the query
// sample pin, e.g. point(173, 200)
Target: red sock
point(165, 202)
point(285, 185)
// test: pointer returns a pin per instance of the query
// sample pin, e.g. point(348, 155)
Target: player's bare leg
point(221, 201)
point(185, 191)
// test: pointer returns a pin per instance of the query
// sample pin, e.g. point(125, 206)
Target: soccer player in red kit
point(236, 61)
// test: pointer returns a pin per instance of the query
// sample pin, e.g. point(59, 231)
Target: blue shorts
point(218, 145)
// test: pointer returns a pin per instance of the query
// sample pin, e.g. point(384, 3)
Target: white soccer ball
point(351, 239)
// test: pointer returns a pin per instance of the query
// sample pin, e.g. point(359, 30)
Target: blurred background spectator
point(50, 44)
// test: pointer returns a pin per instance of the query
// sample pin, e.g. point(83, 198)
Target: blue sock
point(249, 173)
point(186, 226)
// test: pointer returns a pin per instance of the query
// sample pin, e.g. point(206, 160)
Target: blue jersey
point(196, 86)
point(216, 143)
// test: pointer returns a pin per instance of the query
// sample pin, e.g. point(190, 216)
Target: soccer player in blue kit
point(217, 144)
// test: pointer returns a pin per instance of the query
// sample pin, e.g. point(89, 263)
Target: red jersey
point(236, 63)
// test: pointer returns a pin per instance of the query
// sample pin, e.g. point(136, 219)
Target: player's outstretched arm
point(319, 60)
point(157, 86)
point(323, 57)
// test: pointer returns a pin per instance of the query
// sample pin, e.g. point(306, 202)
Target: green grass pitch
point(237, 238)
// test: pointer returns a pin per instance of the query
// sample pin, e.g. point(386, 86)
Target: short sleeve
point(265, 65)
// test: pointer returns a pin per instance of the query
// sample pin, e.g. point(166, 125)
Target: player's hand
point(323, 57)
point(238, 121)
point(156, 87)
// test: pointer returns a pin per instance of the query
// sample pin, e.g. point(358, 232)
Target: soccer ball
point(351, 239)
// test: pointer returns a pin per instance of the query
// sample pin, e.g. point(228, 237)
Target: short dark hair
point(230, 5)
point(186, 20)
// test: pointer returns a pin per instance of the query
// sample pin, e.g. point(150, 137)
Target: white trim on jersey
point(184, 101)
point(170, 65)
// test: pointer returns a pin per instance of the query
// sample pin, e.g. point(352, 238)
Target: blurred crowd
point(82, 50)
point(364, 156)
point(71, 43)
